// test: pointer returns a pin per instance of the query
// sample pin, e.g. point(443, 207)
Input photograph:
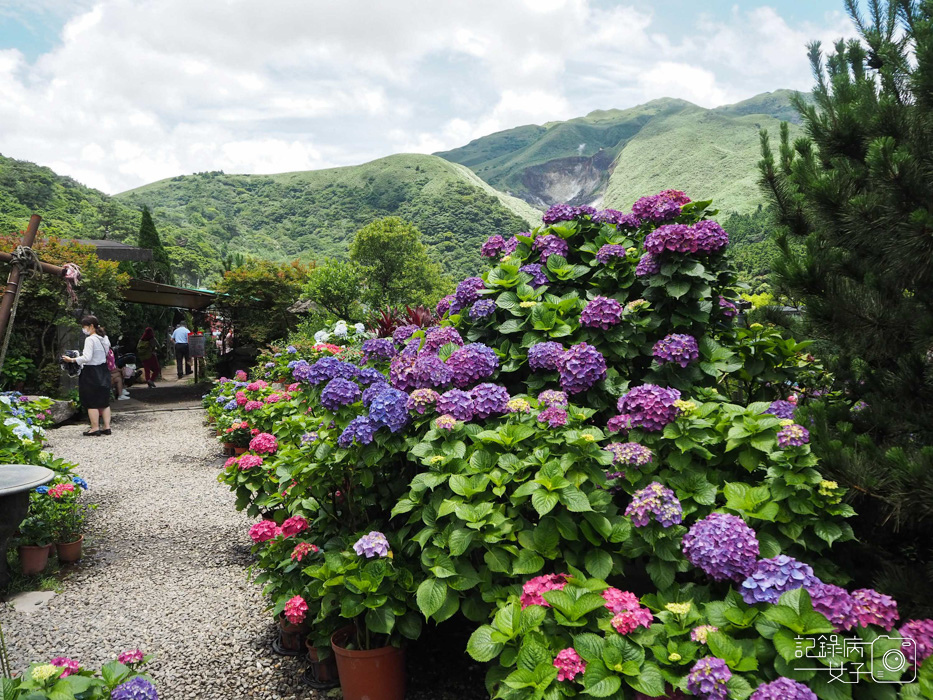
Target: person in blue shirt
point(180, 338)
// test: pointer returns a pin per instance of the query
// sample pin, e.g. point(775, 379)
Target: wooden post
point(12, 282)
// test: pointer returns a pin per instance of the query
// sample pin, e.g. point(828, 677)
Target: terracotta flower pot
point(371, 674)
point(291, 637)
point(34, 559)
point(239, 450)
point(228, 448)
point(69, 551)
point(321, 674)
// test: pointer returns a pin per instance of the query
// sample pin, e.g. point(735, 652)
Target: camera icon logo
point(893, 660)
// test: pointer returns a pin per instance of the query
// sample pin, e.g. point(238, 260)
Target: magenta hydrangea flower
point(677, 238)
point(457, 404)
point(628, 621)
point(493, 246)
point(553, 416)
point(569, 664)
point(359, 430)
point(430, 372)
point(264, 444)
point(619, 601)
point(550, 397)
point(378, 349)
point(772, 577)
point(609, 251)
point(783, 689)
point(920, 631)
point(482, 308)
point(621, 423)
point(601, 312)
point(443, 306)
point(70, 666)
point(650, 407)
point(647, 265)
point(421, 400)
point(472, 363)
point(580, 368)
point(663, 206)
point(294, 525)
point(538, 275)
point(263, 531)
point(372, 545)
point(295, 610)
point(792, 436)
point(835, 603)
point(445, 422)
point(489, 400)
point(551, 245)
point(710, 236)
point(782, 409)
point(340, 392)
point(722, 546)
point(248, 461)
point(708, 677)
point(874, 608)
point(617, 219)
point(728, 309)
point(655, 501)
point(629, 453)
point(533, 588)
point(438, 336)
point(676, 348)
point(468, 291)
point(545, 356)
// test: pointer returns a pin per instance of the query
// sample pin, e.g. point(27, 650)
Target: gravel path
point(167, 571)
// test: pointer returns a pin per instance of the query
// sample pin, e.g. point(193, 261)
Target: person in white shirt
point(94, 381)
point(180, 338)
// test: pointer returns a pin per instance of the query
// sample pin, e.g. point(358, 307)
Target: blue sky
point(118, 93)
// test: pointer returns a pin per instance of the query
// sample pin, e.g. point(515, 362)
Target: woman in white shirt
point(94, 381)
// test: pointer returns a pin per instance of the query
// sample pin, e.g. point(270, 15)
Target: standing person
point(147, 352)
point(116, 374)
point(94, 381)
point(180, 338)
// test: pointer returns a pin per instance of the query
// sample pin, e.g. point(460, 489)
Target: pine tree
point(855, 199)
point(160, 269)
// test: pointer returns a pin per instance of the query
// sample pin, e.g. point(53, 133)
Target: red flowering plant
point(239, 434)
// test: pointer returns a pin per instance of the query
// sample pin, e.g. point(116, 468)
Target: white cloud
point(137, 90)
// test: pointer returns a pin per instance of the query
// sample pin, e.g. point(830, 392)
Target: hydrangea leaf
point(481, 647)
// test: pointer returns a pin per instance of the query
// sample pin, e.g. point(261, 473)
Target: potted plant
point(237, 437)
point(370, 590)
point(36, 533)
point(68, 516)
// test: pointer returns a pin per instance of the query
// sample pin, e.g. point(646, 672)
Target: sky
point(119, 93)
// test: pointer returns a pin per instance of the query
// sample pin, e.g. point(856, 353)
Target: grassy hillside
point(611, 157)
point(314, 214)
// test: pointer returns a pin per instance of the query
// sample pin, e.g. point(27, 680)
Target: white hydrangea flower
point(321, 337)
point(360, 328)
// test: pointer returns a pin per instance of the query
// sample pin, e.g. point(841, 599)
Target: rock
point(30, 601)
point(61, 411)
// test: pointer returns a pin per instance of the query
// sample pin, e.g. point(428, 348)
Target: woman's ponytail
point(92, 321)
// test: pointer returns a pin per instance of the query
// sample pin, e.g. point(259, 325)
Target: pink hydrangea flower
point(263, 531)
point(60, 490)
point(264, 443)
point(302, 549)
point(70, 666)
point(252, 406)
point(241, 398)
point(569, 664)
point(274, 398)
point(618, 601)
point(133, 656)
point(294, 525)
point(230, 462)
point(249, 461)
point(295, 610)
point(257, 385)
point(533, 588)
point(240, 375)
point(628, 621)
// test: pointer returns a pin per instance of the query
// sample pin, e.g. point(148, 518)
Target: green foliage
point(43, 681)
point(336, 286)
point(160, 269)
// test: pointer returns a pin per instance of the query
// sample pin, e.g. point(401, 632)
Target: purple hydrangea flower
point(722, 546)
point(378, 349)
point(421, 400)
point(550, 397)
point(430, 372)
point(647, 265)
point(269, 365)
point(291, 350)
point(301, 370)
point(482, 308)
point(676, 348)
point(492, 247)
point(629, 453)
point(580, 368)
point(601, 312)
point(772, 577)
point(710, 236)
point(554, 416)
point(321, 371)
point(792, 435)
point(346, 370)
point(372, 545)
point(389, 408)
point(456, 403)
point(663, 206)
point(551, 245)
point(339, 392)
point(137, 688)
point(472, 363)
point(372, 392)
point(309, 438)
point(655, 500)
point(616, 218)
point(565, 212)
point(538, 275)
point(369, 376)
point(782, 409)
point(438, 336)
point(359, 430)
point(445, 422)
point(511, 244)
point(835, 603)
point(545, 356)
point(468, 291)
point(610, 251)
point(729, 310)
point(403, 333)
point(677, 238)
point(443, 306)
point(489, 400)
point(874, 608)
point(401, 371)
point(708, 677)
point(649, 406)
point(783, 689)
point(621, 423)
point(921, 632)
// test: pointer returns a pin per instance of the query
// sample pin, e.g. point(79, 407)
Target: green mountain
point(314, 214)
point(612, 157)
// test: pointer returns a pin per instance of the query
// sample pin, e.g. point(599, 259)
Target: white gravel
point(167, 571)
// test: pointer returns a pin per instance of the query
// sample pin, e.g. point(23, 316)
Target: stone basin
point(16, 481)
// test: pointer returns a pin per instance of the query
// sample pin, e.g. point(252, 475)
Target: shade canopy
point(146, 292)
point(114, 250)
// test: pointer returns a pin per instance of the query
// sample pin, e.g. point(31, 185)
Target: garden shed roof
point(146, 292)
point(114, 250)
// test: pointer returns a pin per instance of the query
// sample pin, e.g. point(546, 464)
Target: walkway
point(168, 569)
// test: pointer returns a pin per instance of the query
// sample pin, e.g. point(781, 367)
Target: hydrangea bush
point(594, 467)
point(63, 678)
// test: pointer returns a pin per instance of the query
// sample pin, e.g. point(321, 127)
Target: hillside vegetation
point(612, 157)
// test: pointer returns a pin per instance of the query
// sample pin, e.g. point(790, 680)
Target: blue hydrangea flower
point(137, 688)
point(772, 577)
point(389, 408)
point(359, 430)
point(77, 480)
